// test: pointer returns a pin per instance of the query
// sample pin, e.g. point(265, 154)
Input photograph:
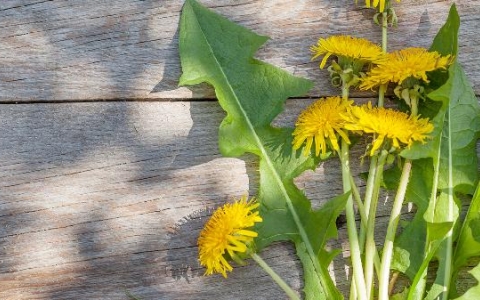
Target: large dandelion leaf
point(452, 161)
point(253, 93)
point(456, 165)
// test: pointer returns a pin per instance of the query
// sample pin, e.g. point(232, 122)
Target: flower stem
point(384, 31)
point(381, 95)
point(383, 87)
point(358, 201)
point(358, 282)
point(391, 231)
point(363, 224)
point(345, 91)
point(351, 226)
point(369, 190)
point(414, 105)
point(285, 287)
point(370, 248)
point(353, 291)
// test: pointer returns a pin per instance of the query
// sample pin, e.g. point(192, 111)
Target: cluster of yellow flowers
point(331, 118)
point(327, 120)
point(393, 67)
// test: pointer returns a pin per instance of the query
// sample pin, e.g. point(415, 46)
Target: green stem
point(351, 226)
point(414, 105)
point(353, 291)
point(345, 91)
point(381, 95)
point(369, 191)
point(391, 232)
point(383, 87)
point(357, 288)
point(384, 31)
point(370, 248)
point(363, 224)
point(372, 173)
point(358, 201)
point(372, 208)
point(285, 287)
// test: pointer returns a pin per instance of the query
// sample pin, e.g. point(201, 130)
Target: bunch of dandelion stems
point(363, 274)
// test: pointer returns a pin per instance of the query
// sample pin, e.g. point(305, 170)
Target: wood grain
point(96, 50)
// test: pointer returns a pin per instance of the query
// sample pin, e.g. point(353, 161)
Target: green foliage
point(449, 164)
point(253, 93)
point(459, 120)
point(468, 243)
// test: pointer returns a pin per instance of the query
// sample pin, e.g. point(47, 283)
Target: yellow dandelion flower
point(226, 233)
point(322, 122)
point(348, 47)
point(388, 125)
point(380, 3)
point(404, 64)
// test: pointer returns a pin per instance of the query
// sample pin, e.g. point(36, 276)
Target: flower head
point(380, 3)
point(227, 233)
point(388, 125)
point(322, 122)
point(403, 64)
point(346, 47)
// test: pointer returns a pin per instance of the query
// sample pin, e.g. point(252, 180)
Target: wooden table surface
point(109, 169)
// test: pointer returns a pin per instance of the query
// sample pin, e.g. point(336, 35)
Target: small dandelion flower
point(379, 3)
point(347, 47)
point(388, 125)
point(322, 123)
point(403, 64)
point(226, 233)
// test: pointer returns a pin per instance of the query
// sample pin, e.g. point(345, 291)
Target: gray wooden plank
point(99, 197)
point(91, 50)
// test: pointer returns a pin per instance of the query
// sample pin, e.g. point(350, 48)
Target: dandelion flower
point(388, 125)
point(322, 122)
point(226, 233)
point(376, 3)
point(403, 64)
point(345, 46)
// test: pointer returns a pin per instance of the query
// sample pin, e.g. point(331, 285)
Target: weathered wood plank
point(90, 50)
point(98, 197)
